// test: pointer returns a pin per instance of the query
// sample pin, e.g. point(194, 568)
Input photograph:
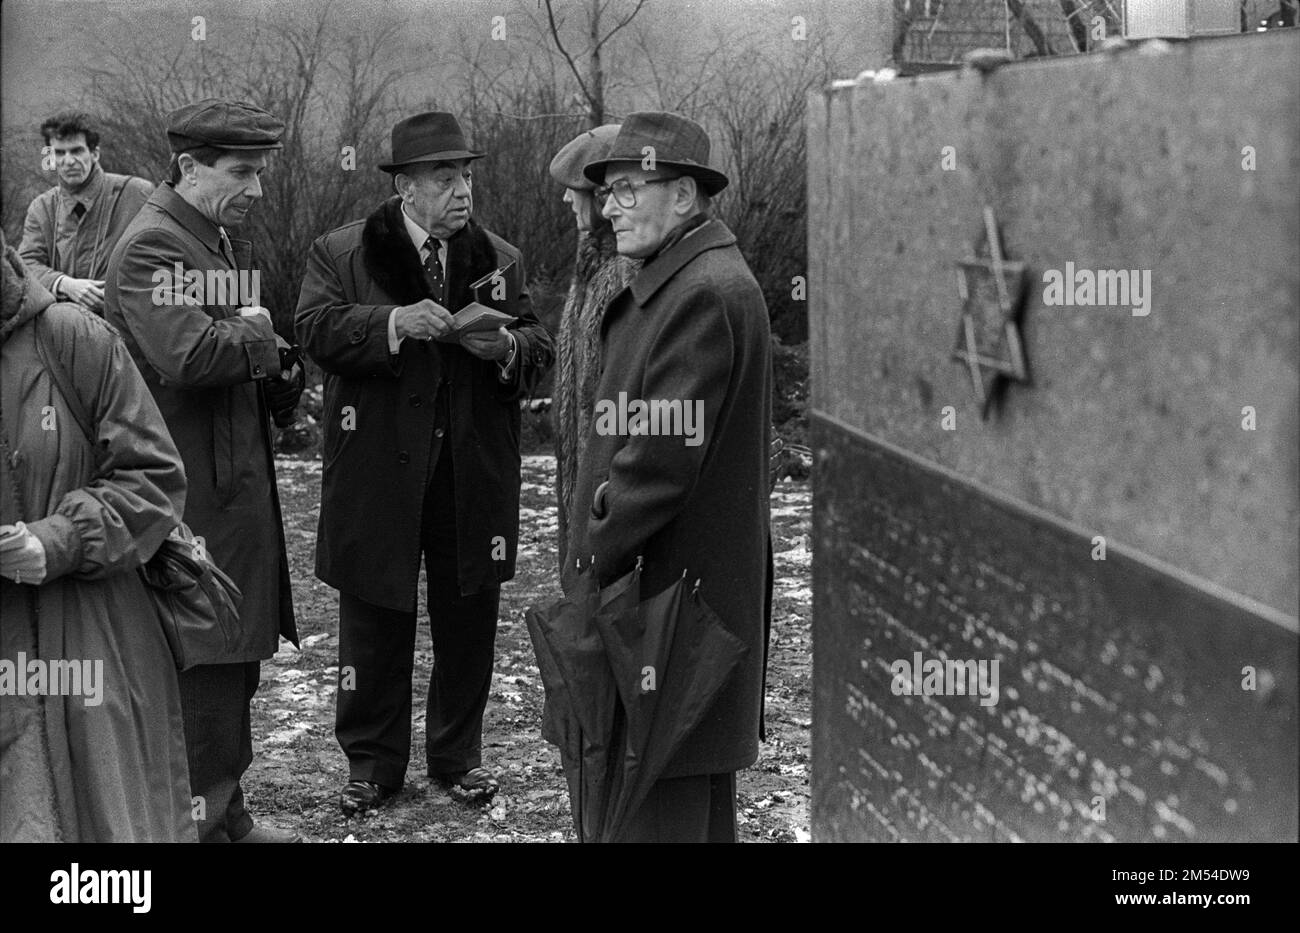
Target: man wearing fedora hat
point(214, 367)
point(692, 326)
point(421, 457)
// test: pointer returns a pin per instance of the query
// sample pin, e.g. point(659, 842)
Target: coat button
point(403, 457)
point(415, 401)
point(438, 432)
point(357, 336)
point(257, 370)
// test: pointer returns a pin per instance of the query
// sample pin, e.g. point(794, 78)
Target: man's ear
point(401, 184)
point(94, 154)
point(686, 194)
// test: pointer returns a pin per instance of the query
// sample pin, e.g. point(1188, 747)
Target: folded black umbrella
point(670, 656)
point(581, 700)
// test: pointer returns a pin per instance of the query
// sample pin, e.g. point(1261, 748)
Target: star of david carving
point(992, 290)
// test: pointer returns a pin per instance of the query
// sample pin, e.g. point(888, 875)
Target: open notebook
point(477, 316)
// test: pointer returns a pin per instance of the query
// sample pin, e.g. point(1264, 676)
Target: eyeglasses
point(624, 191)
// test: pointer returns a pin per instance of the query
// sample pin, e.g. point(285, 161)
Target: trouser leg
point(372, 719)
point(463, 631)
point(215, 702)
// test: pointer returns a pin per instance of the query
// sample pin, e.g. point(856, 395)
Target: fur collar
point(393, 262)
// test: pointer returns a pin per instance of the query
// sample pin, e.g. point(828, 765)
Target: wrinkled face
point(438, 195)
point(73, 159)
point(224, 191)
point(583, 204)
point(660, 207)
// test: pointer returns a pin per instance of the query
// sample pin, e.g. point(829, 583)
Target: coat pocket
point(223, 446)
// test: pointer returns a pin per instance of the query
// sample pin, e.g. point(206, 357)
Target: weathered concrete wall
point(1132, 426)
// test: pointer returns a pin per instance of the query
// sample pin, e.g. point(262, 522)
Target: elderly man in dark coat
point(687, 494)
point(421, 457)
point(183, 294)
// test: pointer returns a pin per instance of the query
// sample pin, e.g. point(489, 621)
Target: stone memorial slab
point(1075, 618)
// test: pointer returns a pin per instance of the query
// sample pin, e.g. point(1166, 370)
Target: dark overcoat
point(691, 326)
point(381, 443)
point(205, 366)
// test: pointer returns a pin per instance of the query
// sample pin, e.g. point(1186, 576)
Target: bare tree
point(591, 79)
point(329, 80)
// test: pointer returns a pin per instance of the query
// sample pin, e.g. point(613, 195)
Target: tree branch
point(573, 66)
point(609, 35)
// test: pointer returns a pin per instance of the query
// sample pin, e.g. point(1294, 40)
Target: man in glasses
point(689, 333)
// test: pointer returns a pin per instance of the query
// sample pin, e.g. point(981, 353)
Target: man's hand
point(487, 344)
point(282, 395)
point(424, 320)
point(88, 293)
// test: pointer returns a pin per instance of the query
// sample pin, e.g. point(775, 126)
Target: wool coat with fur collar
point(381, 442)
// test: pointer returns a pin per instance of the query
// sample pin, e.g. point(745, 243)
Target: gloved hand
point(22, 556)
point(282, 395)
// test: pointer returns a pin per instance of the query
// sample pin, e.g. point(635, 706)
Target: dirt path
point(298, 769)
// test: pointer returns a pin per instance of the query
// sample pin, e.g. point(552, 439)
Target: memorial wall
point(1055, 333)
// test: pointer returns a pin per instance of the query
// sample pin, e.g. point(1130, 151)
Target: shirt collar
point(417, 233)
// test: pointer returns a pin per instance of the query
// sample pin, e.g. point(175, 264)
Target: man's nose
point(254, 188)
point(609, 208)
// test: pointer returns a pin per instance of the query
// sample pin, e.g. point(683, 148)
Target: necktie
point(433, 269)
point(78, 210)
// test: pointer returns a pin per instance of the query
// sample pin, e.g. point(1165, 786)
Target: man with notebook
point(421, 455)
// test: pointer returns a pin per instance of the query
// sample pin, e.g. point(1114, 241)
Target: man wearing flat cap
point(183, 292)
point(421, 457)
point(692, 327)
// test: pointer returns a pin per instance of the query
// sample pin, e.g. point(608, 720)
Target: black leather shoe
point(360, 796)
point(476, 785)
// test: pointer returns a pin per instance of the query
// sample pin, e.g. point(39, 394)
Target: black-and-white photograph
point(652, 421)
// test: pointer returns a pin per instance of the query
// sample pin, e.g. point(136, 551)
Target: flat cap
point(566, 167)
point(223, 124)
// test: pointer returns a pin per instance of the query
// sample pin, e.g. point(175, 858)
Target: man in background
point(71, 229)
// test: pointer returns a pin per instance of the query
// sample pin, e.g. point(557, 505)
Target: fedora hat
point(428, 137)
point(676, 142)
point(566, 167)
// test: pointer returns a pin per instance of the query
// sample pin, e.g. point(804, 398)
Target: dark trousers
point(219, 744)
point(373, 721)
point(698, 808)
